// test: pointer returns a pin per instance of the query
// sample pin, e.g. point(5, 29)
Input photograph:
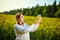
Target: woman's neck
point(21, 23)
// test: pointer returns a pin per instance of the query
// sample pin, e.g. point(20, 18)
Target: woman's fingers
point(38, 20)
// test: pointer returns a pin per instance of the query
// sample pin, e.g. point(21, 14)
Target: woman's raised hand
point(38, 20)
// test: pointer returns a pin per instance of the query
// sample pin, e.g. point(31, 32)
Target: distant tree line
point(46, 11)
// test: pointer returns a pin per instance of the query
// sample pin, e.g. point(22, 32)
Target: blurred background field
point(49, 28)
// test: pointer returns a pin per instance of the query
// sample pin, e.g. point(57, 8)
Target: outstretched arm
point(34, 26)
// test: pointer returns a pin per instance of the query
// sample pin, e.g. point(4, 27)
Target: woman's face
point(22, 18)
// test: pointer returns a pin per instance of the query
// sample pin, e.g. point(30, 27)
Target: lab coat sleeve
point(33, 27)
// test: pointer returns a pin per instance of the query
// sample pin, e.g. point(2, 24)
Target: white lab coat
point(25, 29)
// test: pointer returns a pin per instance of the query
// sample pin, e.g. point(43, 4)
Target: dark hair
point(18, 17)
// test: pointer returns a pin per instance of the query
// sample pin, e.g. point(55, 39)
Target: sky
point(6, 5)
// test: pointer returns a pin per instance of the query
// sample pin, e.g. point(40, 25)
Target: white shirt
point(25, 30)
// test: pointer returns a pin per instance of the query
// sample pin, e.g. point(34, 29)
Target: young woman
point(22, 29)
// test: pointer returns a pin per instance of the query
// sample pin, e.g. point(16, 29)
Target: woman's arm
point(34, 26)
point(22, 30)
